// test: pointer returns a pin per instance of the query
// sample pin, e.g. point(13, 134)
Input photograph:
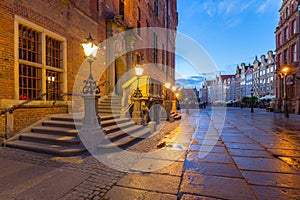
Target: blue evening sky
point(231, 31)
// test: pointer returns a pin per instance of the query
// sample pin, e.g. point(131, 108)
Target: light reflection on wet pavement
point(228, 154)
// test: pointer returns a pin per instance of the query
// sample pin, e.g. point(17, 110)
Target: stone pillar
point(167, 107)
point(174, 106)
point(137, 113)
point(91, 132)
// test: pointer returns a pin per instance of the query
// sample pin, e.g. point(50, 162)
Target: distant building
point(263, 75)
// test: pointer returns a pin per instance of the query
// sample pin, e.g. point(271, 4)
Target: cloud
point(267, 5)
point(190, 82)
point(228, 7)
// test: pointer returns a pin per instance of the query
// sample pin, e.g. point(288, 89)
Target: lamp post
point(168, 102)
point(90, 51)
point(284, 70)
point(90, 93)
point(174, 99)
point(252, 111)
point(136, 97)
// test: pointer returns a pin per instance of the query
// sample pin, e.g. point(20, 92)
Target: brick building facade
point(287, 53)
point(41, 53)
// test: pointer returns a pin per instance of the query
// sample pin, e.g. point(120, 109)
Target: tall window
point(163, 57)
point(294, 27)
point(155, 50)
point(294, 53)
point(286, 56)
point(29, 44)
point(53, 52)
point(121, 8)
point(286, 33)
point(139, 20)
point(33, 72)
point(156, 7)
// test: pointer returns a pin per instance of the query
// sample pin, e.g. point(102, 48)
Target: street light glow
point(139, 71)
point(285, 69)
point(168, 85)
point(90, 49)
point(174, 88)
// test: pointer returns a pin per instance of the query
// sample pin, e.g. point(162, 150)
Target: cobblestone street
point(223, 154)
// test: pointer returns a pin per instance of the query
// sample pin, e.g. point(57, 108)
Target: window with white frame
point(294, 53)
point(40, 63)
point(286, 33)
point(294, 27)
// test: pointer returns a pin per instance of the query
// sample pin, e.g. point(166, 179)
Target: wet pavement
point(217, 153)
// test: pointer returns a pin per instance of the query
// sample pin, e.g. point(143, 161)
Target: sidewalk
point(223, 154)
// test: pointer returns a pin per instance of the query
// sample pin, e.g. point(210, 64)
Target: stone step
point(54, 130)
point(126, 142)
point(64, 124)
point(105, 117)
point(114, 107)
point(110, 101)
point(50, 139)
point(123, 133)
point(68, 118)
point(108, 111)
point(114, 121)
point(46, 148)
point(110, 129)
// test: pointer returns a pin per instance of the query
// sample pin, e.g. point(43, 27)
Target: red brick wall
point(24, 117)
point(6, 51)
point(55, 16)
point(72, 19)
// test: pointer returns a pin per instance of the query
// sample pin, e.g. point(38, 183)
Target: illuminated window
point(40, 63)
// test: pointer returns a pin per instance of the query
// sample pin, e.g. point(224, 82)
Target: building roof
point(225, 77)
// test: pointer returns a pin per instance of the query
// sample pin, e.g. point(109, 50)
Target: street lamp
point(252, 111)
point(90, 51)
point(284, 70)
point(168, 101)
point(138, 72)
point(90, 93)
point(136, 97)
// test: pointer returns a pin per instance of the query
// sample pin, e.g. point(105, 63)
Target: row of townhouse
point(249, 80)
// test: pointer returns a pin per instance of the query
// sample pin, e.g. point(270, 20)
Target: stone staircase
point(123, 132)
point(58, 135)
